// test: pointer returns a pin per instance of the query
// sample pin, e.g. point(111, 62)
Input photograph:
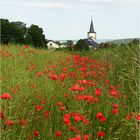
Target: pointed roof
point(91, 27)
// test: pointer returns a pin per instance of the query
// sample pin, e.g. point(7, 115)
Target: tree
point(35, 36)
point(70, 44)
point(81, 45)
point(5, 31)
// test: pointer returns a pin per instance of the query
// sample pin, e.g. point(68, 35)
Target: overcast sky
point(70, 19)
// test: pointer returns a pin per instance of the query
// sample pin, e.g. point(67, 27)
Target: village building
point(55, 45)
point(91, 37)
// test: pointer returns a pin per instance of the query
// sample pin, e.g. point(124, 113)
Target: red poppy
point(39, 74)
point(86, 137)
point(43, 101)
point(23, 122)
point(36, 133)
point(98, 91)
point(62, 76)
point(137, 117)
point(59, 103)
point(9, 122)
point(115, 111)
point(46, 114)
point(58, 133)
point(101, 133)
point(6, 96)
point(75, 87)
point(38, 107)
point(2, 115)
point(62, 108)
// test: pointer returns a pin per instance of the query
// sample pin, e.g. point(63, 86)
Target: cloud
point(37, 4)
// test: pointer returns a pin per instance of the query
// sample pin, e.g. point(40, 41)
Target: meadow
point(64, 95)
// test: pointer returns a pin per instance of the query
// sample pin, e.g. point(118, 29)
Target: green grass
point(121, 66)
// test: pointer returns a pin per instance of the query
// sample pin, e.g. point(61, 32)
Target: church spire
point(91, 27)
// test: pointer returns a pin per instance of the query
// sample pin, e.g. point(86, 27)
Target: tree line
point(18, 33)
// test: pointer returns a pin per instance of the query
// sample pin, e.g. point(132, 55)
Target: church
point(91, 37)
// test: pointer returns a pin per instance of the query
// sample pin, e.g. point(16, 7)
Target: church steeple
point(91, 27)
point(91, 34)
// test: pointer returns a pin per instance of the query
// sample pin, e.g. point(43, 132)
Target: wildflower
point(115, 111)
point(72, 128)
point(128, 117)
point(33, 67)
point(75, 87)
point(62, 108)
point(114, 93)
point(46, 114)
point(101, 117)
point(39, 74)
point(137, 117)
point(64, 69)
point(62, 76)
point(101, 133)
point(86, 137)
point(38, 107)
point(6, 96)
point(43, 101)
point(59, 103)
point(53, 66)
point(23, 122)
point(58, 133)
point(98, 91)
point(36, 133)
point(53, 77)
point(2, 115)
point(115, 105)
point(9, 122)
point(76, 138)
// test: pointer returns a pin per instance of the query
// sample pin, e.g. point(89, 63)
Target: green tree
point(5, 31)
point(81, 45)
point(35, 36)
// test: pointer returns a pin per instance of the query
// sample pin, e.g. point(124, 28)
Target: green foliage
point(18, 33)
point(35, 36)
point(81, 45)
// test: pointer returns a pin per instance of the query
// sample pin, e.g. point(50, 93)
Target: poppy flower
point(46, 114)
point(75, 87)
point(43, 101)
point(23, 122)
point(62, 76)
point(101, 133)
point(39, 74)
point(86, 137)
point(115, 105)
point(36, 133)
point(9, 122)
point(6, 96)
point(137, 117)
point(38, 107)
point(98, 91)
point(33, 67)
point(115, 111)
point(76, 138)
point(58, 133)
point(2, 115)
point(62, 108)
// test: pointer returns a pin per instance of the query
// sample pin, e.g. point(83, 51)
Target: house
point(91, 37)
point(53, 45)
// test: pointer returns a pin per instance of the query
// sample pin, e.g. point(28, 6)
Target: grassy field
point(62, 95)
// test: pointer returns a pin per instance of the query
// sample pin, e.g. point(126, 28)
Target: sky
point(70, 19)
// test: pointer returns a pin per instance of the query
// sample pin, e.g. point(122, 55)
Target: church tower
point(91, 34)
